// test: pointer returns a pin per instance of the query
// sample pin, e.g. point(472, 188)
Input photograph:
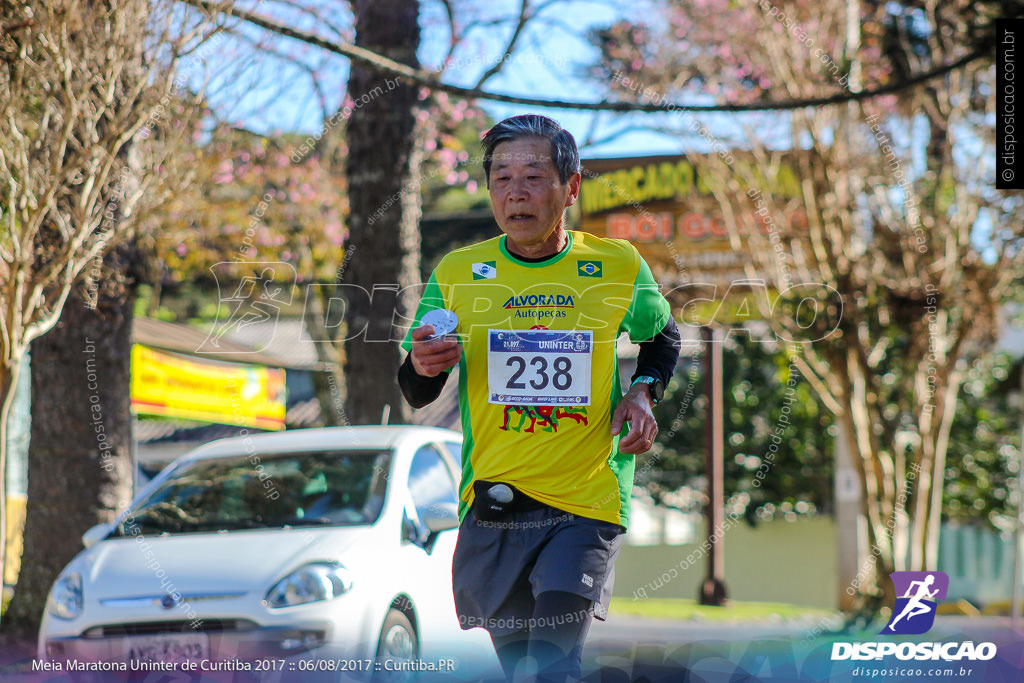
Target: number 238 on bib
point(539, 367)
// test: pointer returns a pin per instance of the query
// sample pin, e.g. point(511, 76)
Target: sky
point(266, 94)
point(271, 84)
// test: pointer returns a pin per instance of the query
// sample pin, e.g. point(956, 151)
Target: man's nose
point(517, 190)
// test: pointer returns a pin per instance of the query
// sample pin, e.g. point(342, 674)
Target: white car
point(316, 549)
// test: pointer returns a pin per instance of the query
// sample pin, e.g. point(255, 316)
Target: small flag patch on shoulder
point(487, 270)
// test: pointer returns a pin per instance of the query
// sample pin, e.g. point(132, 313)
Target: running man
point(547, 457)
point(914, 606)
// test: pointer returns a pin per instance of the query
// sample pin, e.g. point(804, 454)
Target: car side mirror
point(95, 534)
point(441, 517)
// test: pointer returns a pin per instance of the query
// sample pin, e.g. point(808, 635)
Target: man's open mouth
point(520, 216)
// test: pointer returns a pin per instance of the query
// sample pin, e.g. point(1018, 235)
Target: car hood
point(214, 563)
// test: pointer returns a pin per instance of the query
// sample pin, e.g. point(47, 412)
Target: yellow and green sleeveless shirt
point(538, 379)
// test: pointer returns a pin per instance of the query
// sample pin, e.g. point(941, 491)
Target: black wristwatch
point(654, 386)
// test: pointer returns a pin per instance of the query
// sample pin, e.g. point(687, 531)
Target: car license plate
point(176, 648)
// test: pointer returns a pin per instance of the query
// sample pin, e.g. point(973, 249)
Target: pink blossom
point(447, 157)
point(471, 187)
point(333, 232)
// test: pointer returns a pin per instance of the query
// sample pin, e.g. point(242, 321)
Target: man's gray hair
point(564, 154)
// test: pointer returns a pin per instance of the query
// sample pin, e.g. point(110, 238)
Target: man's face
point(527, 196)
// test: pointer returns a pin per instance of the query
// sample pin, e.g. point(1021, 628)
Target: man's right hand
point(430, 358)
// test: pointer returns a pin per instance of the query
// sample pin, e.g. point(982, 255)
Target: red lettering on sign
point(620, 226)
point(696, 226)
point(692, 226)
point(643, 228)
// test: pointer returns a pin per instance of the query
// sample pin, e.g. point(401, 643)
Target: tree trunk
point(8, 389)
point(384, 207)
point(79, 464)
point(329, 386)
point(932, 475)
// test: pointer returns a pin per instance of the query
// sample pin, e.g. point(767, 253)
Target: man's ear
point(574, 189)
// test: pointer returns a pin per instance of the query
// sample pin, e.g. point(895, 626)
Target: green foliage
point(984, 459)
point(982, 462)
point(776, 461)
point(734, 611)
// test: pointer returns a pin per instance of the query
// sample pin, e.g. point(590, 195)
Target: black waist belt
point(494, 499)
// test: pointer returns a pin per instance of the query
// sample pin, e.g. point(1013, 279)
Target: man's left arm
point(649, 323)
point(657, 359)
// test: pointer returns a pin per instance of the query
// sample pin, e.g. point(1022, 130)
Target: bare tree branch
point(524, 17)
point(428, 79)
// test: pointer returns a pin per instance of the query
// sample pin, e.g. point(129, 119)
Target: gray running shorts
point(501, 566)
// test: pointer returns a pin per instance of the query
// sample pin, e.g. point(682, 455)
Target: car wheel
point(397, 649)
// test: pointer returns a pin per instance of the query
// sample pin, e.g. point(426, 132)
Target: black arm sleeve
point(417, 389)
point(658, 356)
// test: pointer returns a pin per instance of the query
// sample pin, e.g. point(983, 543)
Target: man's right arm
point(425, 370)
point(417, 389)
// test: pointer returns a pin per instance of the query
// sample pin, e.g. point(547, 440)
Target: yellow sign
point(666, 209)
point(615, 183)
point(226, 393)
point(15, 523)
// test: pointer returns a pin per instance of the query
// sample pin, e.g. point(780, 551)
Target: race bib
point(539, 367)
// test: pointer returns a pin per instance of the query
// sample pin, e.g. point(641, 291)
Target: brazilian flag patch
point(588, 268)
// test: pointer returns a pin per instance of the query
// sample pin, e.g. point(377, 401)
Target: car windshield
point(258, 491)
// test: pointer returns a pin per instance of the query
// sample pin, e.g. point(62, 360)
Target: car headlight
point(311, 583)
point(65, 599)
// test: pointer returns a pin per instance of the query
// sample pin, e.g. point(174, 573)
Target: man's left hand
point(635, 408)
